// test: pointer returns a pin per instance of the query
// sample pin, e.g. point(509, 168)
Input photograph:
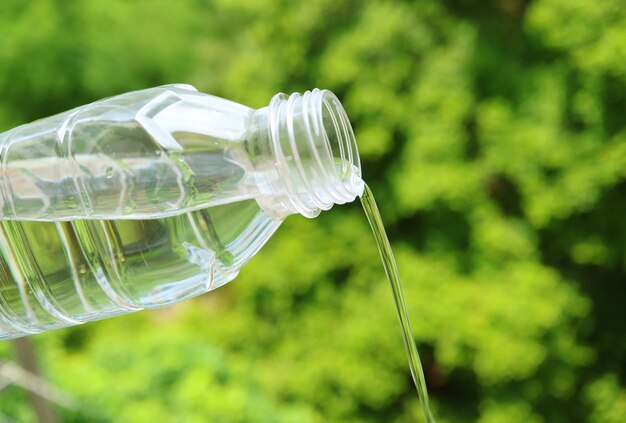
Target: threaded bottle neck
point(314, 151)
point(308, 141)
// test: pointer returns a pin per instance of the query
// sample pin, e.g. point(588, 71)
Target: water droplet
point(157, 152)
point(108, 172)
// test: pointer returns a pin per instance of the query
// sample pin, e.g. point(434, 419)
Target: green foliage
point(493, 134)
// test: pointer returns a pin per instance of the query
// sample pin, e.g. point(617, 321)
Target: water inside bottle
point(391, 269)
point(54, 274)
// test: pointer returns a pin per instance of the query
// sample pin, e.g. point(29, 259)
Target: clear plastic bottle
point(154, 196)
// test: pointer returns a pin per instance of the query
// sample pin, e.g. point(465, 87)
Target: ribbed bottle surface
point(55, 274)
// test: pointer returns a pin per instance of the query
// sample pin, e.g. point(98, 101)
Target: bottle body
point(139, 201)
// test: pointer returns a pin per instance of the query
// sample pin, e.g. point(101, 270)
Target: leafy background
point(494, 135)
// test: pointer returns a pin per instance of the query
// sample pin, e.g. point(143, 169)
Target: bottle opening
point(315, 150)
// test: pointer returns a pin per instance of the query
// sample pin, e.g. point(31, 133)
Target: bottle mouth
point(315, 150)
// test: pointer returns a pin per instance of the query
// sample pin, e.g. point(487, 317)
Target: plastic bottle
point(154, 196)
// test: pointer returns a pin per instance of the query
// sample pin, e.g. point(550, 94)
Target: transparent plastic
point(154, 196)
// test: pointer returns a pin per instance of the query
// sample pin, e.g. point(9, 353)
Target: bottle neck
point(312, 146)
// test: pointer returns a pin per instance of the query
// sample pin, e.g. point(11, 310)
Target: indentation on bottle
point(73, 268)
point(102, 248)
point(66, 140)
point(30, 279)
point(49, 307)
point(103, 281)
point(205, 259)
point(17, 275)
